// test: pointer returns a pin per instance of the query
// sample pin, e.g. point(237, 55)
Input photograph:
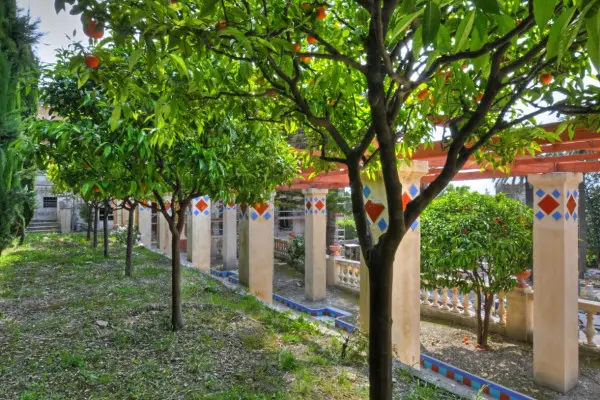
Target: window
point(110, 214)
point(49, 202)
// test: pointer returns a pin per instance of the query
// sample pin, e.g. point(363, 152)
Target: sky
point(56, 28)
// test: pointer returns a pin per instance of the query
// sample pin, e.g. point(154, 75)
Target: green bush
point(349, 228)
point(295, 253)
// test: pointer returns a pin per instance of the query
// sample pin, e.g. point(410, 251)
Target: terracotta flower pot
point(521, 276)
point(293, 234)
point(335, 250)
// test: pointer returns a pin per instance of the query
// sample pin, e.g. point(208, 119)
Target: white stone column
point(144, 211)
point(256, 249)
point(407, 264)
point(164, 233)
point(198, 233)
point(315, 256)
point(230, 235)
point(555, 256)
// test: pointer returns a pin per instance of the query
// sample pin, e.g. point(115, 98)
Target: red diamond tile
point(374, 209)
point(308, 205)
point(571, 204)
point(504, 396)
point(467, 381)
point(450, 374)
point(231, 204)
point(201, 205)
point(261, 207)
point(548, 204)
point(320, 205)
point(405, 200)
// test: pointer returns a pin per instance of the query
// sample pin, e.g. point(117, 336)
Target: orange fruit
point(307, 59)
point(221, 24)
point(271, 92)
point(422, 94)
point(92, 28)
point(92, 61)
point(311, 39)
point(321, 13)
point(546, 79)
point(478, 97)
point(296, 47)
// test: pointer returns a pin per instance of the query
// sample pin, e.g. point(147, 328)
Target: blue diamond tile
point(567, 216)
point(305, 212)
point(316, 199)
point(556, 193)
point(557, 215)
point(413, 190)
point(267, 215)
point(382, 224)
point(539, 215)
point(574, 216)
point(254, 215)
point(568, 193)
point(575, 193)
point(206, 212)
point(196, 199)
point(206, 198)
point(540, 193)
point(323, 199)
point(323, 211)
point(366, 191)
point(414, 225)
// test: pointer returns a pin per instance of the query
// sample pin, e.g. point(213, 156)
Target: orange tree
point(369, 79)
point(477, 243)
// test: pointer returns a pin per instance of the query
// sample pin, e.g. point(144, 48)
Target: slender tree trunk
point(583, 236)
point(488, 304)
point(96, 210)
point(380, 328)
point(176, 315)
point(105, 223)
point(89, 223)
point(528, 193)
point(129, 253)
point(479, 319)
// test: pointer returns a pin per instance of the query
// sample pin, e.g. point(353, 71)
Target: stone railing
point(590, 309)
point(281, 248)
point(346, 274)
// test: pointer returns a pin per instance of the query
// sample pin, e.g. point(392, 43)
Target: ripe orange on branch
point(546, 78)
point(321, 13)
point(221, 24)
point(91, 61)
point(422, 94)
point(92, 28)
point(311, 39)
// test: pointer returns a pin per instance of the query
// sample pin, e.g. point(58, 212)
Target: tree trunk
point(528, 193)
point(488, 304)
point(479, 319)
point(96, 210)
point(583, 236)
point(380, 328)
point(176, 315)
point(129, 253)
point(105, 223)
point(89, 223)
point(330, 232)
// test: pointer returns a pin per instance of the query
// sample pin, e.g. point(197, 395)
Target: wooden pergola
point(552, 157)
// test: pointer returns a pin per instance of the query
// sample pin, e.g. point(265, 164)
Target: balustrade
point(281, 248)
point(591, 309)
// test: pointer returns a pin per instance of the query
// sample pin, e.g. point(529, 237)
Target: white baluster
point(590, 331)
point(445, 299)
point(455, 301)
point(501, 310)
point(357, 277)
point(466, 303)
point(426, 297)
point(436, 298)
point(340, 272)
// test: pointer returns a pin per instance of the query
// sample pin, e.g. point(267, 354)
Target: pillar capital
point(314, 191)
point(415, 171)
point(556, 178)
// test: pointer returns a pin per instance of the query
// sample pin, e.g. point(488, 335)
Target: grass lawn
point(72, 326)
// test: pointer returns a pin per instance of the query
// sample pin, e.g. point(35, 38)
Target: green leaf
point(488, 6)
point(180, 64)
point(115, 116)
point(83, 78)
point(557, 33)
point(464, 30)
point(431, 22)
point(135, 56)
point(593, 42)
point(208, 8)
point(402, 24)
point(543, 10)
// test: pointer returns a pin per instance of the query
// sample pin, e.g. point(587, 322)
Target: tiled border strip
point(473, 381)
point(458, 375)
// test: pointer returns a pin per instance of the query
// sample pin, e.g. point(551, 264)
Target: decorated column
point(198, 233)
point(407, 264)
point(256, 249)
point(555, 256)
point(145, 223)
point(230, 235)
point(315, 256)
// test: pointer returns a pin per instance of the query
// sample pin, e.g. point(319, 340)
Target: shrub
point(349, 228)
point(477, 243)
point(295, 253)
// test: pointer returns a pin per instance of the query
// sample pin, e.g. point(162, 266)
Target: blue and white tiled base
point(458, 375)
